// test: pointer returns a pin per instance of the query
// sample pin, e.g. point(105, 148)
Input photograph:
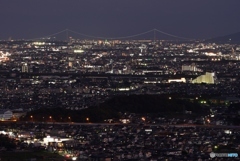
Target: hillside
point(139, 104)
point(231, 38)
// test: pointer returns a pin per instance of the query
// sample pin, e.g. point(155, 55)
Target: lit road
point(129, 124)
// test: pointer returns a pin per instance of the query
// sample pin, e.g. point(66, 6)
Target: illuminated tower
point(25, 68)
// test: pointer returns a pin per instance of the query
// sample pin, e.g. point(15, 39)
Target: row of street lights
point(50, 117)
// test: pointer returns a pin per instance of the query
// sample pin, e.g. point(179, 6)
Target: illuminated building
point(25, 68)
point(189, 67)
point(183, 80)
point(208, 78)
point(70, 64)
point(5, 115)
point(4, 56)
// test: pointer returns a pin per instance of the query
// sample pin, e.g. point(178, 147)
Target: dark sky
point(113, 18)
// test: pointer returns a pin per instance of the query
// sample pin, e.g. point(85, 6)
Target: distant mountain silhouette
point(231, 38)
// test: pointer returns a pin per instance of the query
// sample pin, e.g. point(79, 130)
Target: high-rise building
point(25, 68)
point(70, 64)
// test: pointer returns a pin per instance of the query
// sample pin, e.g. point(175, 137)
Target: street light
point(87, 119)
point(69, 118)
point(50, 118)
point(31, 117)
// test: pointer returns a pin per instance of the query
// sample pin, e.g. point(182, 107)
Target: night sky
point(112, 18)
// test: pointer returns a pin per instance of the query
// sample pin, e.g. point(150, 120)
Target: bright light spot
point(228, 132)
point(67, 155)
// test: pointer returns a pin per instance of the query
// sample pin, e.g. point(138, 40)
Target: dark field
point(27, 156)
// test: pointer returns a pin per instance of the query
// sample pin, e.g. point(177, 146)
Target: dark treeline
point(7, 142)
point(232, 114)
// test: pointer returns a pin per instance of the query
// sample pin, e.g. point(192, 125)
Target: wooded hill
point(139, 104)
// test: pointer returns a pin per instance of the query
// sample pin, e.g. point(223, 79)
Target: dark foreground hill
point(139, 104)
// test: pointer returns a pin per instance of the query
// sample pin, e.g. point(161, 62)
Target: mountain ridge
point(233, 38)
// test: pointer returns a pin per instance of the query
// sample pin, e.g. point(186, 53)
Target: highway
point(128, 124)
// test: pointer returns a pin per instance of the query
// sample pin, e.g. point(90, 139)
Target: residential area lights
point(52, 74)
